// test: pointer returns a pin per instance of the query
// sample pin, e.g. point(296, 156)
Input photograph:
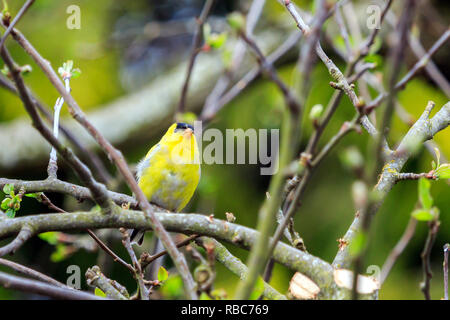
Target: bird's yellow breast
point(170, 173)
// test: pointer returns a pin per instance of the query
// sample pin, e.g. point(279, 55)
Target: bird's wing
point(145, 163)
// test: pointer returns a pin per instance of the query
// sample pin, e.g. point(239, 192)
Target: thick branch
point(318, 270)
point(25, 233)
point(95, 278)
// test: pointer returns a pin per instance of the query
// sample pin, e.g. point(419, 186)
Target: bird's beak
point(188, 133)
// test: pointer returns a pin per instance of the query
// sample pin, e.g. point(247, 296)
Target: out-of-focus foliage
point(327, 209)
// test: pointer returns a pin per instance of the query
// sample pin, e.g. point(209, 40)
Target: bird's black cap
point(183, 126)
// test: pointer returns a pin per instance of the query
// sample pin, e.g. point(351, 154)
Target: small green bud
point(352, 158)
point(316, 112)
point(216, 40)
point(360, 194)
point(236, 21)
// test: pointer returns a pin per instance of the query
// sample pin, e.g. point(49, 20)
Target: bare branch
point(44, 289)
point(414, 70)
point(138, 272)
point(398, 249)
point(445, 267)
point(211, 102)
point(16, 19)
point(208, 113)
point(32, 273)
point(196, 43)
point(25, 233)
point(425, 255)
point(146, 259)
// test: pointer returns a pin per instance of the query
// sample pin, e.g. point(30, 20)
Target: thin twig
point(416, 176)
point(196, 43)
point(311, 165)
point(211, 102)
point(98, 190)
point(445, 266)
point(433, 228)
point(44, 289)
point(86, 153)
point(146, 259)
point(78, 192)
point(32, 273)
point(413, 71)
point(244, 82)
point(398, 249)
point(53, 164)
point(139, 274)
point(397, 54)
point(101, 244)
point(15, 21)
point(334, 71)
point(25, 233)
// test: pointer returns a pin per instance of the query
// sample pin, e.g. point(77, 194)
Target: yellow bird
point(170, 172)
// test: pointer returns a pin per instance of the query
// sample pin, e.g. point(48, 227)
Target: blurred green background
point(327, 209)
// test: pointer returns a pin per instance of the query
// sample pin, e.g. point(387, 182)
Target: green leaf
point(99, 292)
point(60, 253)
point(433, 165)
point(316, 112)
point(35, 195)
point(204, 296)
point(422, 215)
point(443, 171)
point(75, 73)
point(438, 156)
point(173, 288)
point(374, 58)
point(5, 203)
point(351, 158)
point(162, 274)
point(424, 193)
point(258, 290)
point(8, 189)
point(236, 20)
point(5, 71)
point(216, 40)
point(219, 294)
point(10, 213)
point(50, 237)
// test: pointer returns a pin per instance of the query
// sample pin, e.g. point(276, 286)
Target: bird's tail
point(136, 236)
